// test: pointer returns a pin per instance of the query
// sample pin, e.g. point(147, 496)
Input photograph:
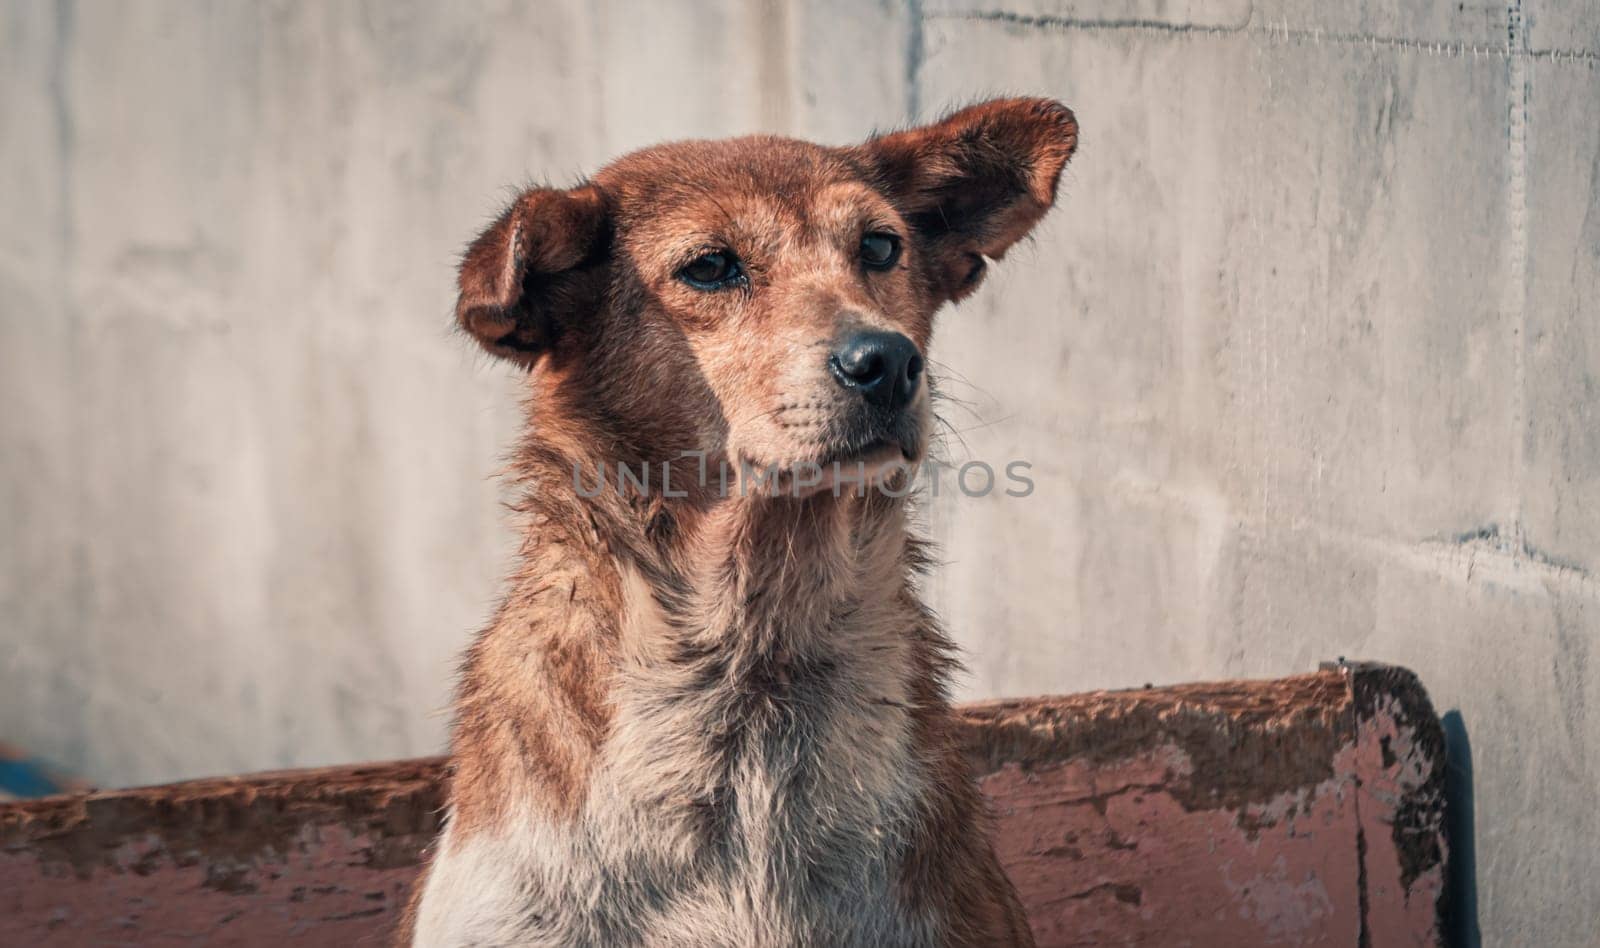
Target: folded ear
point(534, 270)
point(975, 183)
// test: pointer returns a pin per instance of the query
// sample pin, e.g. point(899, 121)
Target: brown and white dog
point(712, 710)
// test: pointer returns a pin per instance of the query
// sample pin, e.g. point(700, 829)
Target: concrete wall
point(1306, 366)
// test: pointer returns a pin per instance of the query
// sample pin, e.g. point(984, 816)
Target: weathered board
point(1299, 811)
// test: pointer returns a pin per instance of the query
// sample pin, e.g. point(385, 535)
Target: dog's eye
point(712, 271)
point(879, 250)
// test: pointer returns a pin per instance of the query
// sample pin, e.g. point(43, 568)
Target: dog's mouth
point(872, 450)
point(850, 468)
point(842, 452)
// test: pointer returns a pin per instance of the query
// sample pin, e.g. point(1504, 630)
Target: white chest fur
point(739, 800)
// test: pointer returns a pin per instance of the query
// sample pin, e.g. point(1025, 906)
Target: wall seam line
point(1281, 32)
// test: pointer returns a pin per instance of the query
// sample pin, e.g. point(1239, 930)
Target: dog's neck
point(621, 592)
point(768, 571)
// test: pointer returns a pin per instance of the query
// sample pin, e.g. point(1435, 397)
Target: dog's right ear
point(974, 183)
point(536, 269)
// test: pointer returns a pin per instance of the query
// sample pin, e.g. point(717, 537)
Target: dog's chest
point(770, 805)
point(760, 806)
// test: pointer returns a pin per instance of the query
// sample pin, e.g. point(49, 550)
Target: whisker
point(990, 424)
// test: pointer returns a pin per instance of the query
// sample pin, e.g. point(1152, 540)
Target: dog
point(711, 709)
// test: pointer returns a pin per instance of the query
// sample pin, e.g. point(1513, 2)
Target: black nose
point(884, 367)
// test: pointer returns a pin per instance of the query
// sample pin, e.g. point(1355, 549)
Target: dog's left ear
point(975, 183)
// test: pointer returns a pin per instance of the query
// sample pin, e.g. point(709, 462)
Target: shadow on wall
point(1461, 889)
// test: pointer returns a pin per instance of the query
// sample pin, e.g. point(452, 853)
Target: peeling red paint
point(1281, 871)
point(321, 891)
point(1300, 811)
point(1397, 766)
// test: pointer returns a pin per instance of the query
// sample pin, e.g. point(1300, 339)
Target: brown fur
point(705, 719)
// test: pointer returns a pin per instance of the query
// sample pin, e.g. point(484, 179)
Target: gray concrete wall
point(1307, 365)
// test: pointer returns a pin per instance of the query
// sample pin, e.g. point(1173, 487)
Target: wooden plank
point(1298, 811)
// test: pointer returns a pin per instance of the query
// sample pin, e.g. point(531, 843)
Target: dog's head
point(763, 300)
